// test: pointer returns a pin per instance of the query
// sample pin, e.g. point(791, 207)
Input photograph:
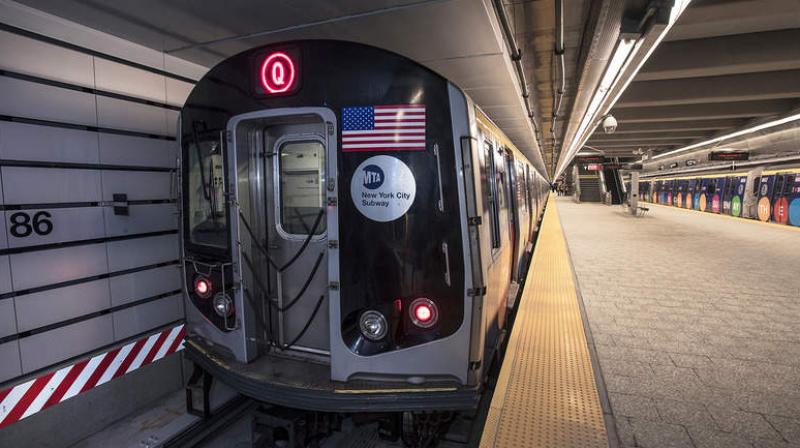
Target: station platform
point(695, 319)
point(546, 394)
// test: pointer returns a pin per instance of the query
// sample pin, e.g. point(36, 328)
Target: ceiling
point(460, 39)
point(724, 64)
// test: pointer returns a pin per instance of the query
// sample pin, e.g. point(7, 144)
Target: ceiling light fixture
point(621, 58)
point(750, 130)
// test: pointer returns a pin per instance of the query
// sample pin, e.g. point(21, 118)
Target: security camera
point(609, 124)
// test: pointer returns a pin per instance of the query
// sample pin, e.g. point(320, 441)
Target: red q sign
point(277, 73)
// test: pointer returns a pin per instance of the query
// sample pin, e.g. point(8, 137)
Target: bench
point(640, 211)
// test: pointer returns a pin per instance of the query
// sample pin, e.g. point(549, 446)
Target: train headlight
point(202, 287)
point(223, 305)
point(373, 325)
point(423, 312)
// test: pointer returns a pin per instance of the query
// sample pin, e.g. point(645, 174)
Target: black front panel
point(383, 265)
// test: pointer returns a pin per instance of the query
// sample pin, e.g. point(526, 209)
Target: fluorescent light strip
point(767, 125)
point(675, 13)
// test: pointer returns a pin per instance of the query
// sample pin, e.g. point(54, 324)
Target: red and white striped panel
point(28, 398)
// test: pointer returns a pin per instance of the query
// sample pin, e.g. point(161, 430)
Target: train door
point(780, 198)
point(514, 215)
point(678, 199)
point(702, 203)
point(794, 200)
point(737, 200)
point(690, 187)
point(764, 197)
point(716, 195)
point(282, 159)
point(728, 192)
point(531, 201)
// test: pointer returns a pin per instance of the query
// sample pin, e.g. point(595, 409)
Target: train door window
point(756, 184)
point(492, 194)
point(300, 185)
point(787, 187)
point(778, 189)
point(208, 223)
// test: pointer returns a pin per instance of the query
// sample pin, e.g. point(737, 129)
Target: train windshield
point(208, 225)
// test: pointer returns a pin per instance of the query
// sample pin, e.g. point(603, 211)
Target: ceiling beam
point(713, 89)
point(716, 111)
point(726, 55)
point(723, 17)
point(656, 136)
point(628, 127)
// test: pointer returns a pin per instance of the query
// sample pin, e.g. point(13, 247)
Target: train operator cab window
point(208, 223)
point(301, 174)
point(492, 194)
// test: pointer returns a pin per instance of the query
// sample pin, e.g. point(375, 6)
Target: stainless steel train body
point(352, 227)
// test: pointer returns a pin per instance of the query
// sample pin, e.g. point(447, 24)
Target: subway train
point(771, 196)
point(354, 230)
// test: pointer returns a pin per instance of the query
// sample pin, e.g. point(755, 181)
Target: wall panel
point(177, 91)
point(73, 120)
point(135, 320)
point(56, 305)
point(120, 114)
point(137, 151)
point(47, 267)
point(44, 102)
point(5, 275)
point(43, 349)
point(10, 367)
point(66, 224)
point(128, 254)
point(144, 218)
point(8, 324)
point(32, 57)
point(20, 141)
point(126, 80)
point(138, 185)
point(142, 284)
point(24, 185)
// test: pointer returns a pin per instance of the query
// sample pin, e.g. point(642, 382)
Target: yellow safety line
point(720, 215)
point(546, 395)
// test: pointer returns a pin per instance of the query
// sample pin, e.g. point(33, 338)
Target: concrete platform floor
point(696, 321)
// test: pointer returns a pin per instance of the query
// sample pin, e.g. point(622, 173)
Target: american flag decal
point(400, 127)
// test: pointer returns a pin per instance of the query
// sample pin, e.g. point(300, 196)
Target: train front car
point(324, 230)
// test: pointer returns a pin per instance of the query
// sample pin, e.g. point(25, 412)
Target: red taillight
point(424, 312)
point(202, 287)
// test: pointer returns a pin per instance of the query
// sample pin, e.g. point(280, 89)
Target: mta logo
point(373, 177)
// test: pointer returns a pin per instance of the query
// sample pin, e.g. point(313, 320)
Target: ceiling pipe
point(646, 29)
point(558, 93)
point(732, 167)
point(516, 57)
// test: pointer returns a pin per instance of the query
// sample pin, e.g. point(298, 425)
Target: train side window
point(208, 223)
point(301, 174)
point(492, 194)
point(787, 187)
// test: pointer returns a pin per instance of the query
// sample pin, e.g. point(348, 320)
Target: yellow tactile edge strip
point(720, 215)
point(546, 395)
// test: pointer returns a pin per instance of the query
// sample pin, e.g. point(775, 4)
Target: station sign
point(717, 156)
point(276, 72)
point(590, 159)
point(673, 165)
point(594, 167)
point(691, 162)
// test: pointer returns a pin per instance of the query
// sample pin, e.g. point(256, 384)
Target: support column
point(749, 202)
point(634, 196)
